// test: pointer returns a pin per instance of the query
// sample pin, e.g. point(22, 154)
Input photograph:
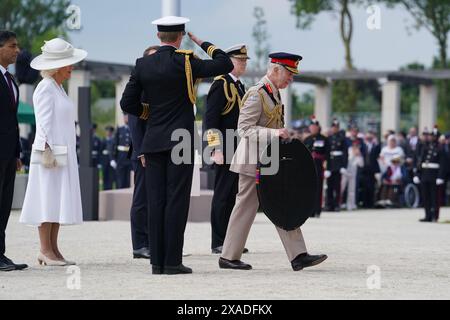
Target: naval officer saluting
point(167, 78)
point(222, 113)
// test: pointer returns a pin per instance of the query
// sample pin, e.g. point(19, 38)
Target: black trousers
point(318, 202)
point(7, 177)
point(225, 190)
point(109, 176)
point(368, 182)
point(334, 190)
point(168, 192)
point(123, 176)
point(430, 200)
point(138, 214)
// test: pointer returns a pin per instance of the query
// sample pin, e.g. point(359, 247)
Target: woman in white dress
point(53, 193)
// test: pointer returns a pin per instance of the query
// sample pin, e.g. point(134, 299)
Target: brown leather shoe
point(234, 264)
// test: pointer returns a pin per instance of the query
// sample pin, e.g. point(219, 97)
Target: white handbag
point(59, 153)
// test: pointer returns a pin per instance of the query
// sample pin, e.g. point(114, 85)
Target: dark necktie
point(10, 85)
point(240, 87)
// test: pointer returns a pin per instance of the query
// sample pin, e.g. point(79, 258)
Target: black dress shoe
point(8, 261)
point(157, 269)
point(143, 253)
point(306, 260)
point(425, 220)
point(233, 264)
point(6, 266)
point(181, 269)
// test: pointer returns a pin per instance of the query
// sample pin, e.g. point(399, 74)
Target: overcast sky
point(118, 31)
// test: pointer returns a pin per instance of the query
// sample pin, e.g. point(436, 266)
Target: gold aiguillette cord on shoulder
point(231, 99)
point(188, 69)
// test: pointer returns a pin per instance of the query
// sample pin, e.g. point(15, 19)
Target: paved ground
point(407, 259)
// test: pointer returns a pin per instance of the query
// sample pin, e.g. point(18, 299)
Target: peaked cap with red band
point(287, 60)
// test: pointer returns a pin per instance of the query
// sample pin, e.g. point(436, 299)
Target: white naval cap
point(238, 51)
point(171, 23)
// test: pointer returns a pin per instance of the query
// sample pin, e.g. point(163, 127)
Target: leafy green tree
point(306, 10)
point(434, 16)
point(31, 19)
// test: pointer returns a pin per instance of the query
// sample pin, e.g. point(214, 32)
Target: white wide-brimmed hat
point(57, 53)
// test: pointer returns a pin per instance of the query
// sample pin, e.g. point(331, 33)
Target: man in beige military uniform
point(261, 119)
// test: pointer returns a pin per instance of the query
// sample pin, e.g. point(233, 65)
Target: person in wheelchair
point(393, 180)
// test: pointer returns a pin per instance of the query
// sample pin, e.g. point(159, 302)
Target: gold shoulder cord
point(189, 79)
point(274, 114)
point(231, 100)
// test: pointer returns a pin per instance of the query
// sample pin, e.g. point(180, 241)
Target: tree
point(434, 16)
point(306, 10)
point(31, 18)
point(260, 35)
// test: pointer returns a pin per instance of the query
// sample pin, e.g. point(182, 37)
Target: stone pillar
point(427, 107)
point(79, 78)
point(120, 88)
point(322, 105)
point(286, 98)
point(26, 95)
point(390, 106)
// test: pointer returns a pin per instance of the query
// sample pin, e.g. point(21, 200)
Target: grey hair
point(272, 66)
point(49, 73)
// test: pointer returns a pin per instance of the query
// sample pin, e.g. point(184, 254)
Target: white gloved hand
point(416, 180)
point(327, 174)
point(343, 171)
point(113, 164)
point(377, 176)
point(439, 181)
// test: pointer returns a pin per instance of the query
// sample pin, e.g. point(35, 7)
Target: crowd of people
point(359, 170)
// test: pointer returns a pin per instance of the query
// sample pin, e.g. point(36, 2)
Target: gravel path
point(372, 255)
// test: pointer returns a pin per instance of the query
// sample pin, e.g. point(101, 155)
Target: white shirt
point(3, 70)
point(233, 77)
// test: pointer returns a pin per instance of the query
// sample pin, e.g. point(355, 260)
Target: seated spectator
point(392, 182)
point(390, 151)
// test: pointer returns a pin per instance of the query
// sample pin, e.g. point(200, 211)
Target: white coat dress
point(53, 195)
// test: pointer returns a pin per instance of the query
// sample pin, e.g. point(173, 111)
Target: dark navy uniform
point(96, 150)
point(122, 143)
point(138, 213)
point(167, 78)
point(318, 145)
point(222, 113)
point(109, 173)
point(431, 168)
point(337, 159)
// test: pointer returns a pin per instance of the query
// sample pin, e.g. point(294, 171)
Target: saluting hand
point(195, 39)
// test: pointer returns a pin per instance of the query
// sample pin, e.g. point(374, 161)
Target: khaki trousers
point(241, 220)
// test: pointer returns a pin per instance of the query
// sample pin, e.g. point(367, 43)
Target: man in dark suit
point(167, 79)
point(222, 113)
point(370, 170)
point(9, 139)
point(138, 213)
